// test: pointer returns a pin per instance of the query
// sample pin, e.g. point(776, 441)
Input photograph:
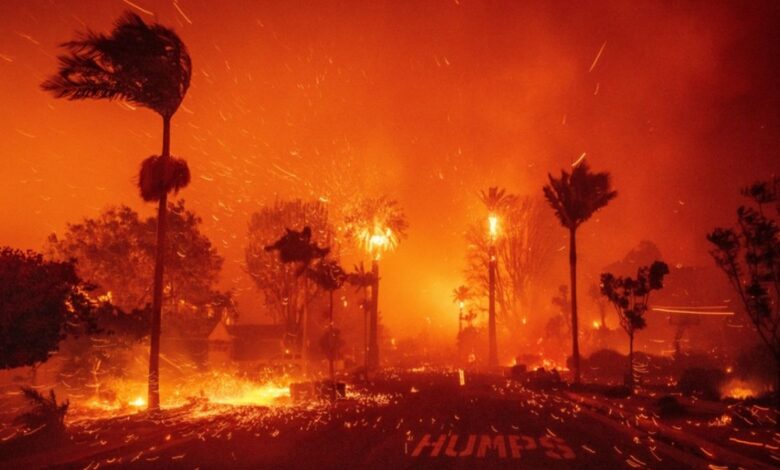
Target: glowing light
point(139, 402)
point(692, 311)
point(378, 241)
point(596, 324)
point(493, 226)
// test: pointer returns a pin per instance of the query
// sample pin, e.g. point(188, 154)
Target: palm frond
point(577, 196)
point(147, 65)
point(159, 176)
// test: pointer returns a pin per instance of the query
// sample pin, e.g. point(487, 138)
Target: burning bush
point(703, 383)
point(46, 414)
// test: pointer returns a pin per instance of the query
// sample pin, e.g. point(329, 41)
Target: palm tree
point(574, 198)
point(459, 296)
point(329, 276)
point(377, 225)
point(363, 280)
point(495, 200)
point(149, 66)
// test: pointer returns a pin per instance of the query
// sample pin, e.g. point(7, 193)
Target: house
point(246, 343)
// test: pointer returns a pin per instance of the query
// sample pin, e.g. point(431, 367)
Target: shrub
point(703, 383)
point(46, 413)
point(668, 406)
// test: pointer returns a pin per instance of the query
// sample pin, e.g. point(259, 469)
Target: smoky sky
point(427, 102)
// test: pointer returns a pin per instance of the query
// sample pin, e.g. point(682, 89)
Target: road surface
point(409, 420)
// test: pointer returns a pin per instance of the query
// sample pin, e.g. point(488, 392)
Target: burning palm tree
point(147, 65)
point(574, 198)
point(460, 295)
point(495, 200)
point(377, 225)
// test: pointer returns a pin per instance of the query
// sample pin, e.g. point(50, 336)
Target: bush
point(702, 383)
point(46, 414)
point(668, 407)
point(618, 391)
point(605, 364)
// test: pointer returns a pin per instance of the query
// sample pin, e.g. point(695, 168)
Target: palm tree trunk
point(331, 349)
point(373, 340)
point(154, 349)
point(630, 375)
point(492, 345)
point(777, 392)
point(305, 327)
point(575, 345)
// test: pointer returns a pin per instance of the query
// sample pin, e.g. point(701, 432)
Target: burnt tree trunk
point(575, 344)
point(157, 298)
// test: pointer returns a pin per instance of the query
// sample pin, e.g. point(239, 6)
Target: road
point(411, 420)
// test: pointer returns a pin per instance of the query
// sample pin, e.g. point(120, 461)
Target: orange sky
point(425, 101)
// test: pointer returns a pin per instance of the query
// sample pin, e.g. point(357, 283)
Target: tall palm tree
point(377, 225)
point(495, 200)
point(574, 198)
point(149, 66)
point(459, 296)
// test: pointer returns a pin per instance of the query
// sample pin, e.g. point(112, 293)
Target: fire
point(493, 226)
point(122, 396)
point(139, 402)
point(738, 389)
point(378, 240)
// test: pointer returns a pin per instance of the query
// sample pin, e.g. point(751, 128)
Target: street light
point(493, 346)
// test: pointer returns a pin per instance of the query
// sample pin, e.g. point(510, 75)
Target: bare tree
point(287, 294)
point(522, 252)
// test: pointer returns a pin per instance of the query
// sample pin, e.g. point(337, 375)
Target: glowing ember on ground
point(739, 390)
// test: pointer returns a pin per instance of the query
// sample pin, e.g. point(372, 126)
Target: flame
point(739, 390)
point(139, 402)
point(493, 226)
point(216, 387)
point(377, 241)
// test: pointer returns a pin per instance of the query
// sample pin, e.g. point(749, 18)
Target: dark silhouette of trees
point(377, 225)
point(575, 198)
point(116, 252)
point(749, 254)
point(40, 303)
point(630, 298)
point(277, 274)
point(362, 280)
point(149, 66)
point(329, 276)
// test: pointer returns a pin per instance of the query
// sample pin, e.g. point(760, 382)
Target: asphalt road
point(415, 420)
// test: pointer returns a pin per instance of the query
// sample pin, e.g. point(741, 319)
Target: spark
point(579, 160)
point(178, 8)
point(143, 10)
point(692, 312)
point(596, 60)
